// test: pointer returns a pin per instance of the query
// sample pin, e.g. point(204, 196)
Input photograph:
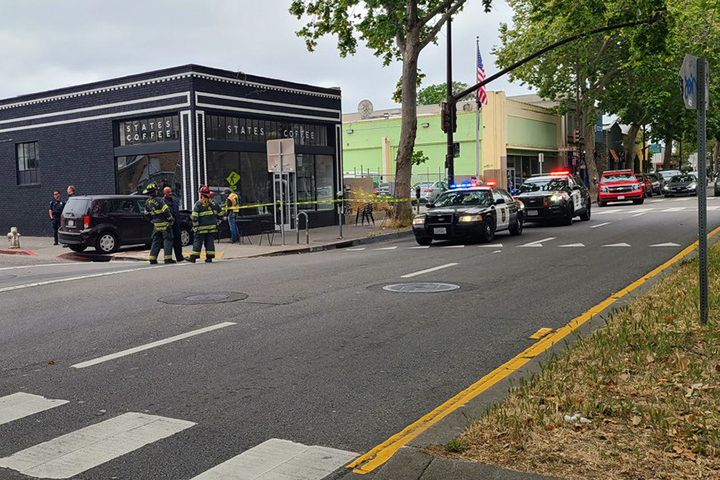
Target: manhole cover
point(421, 287)
point(203, 298)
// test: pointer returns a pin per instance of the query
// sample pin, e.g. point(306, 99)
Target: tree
point(396, 30)
point(435, 94)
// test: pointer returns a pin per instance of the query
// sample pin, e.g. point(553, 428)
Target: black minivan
point(107, 222)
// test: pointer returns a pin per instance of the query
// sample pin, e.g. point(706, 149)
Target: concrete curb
point(18, 251)
point(412, 462)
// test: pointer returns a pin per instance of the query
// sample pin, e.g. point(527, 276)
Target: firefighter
point(162, 220)
point(232, 208)
point(204, 217)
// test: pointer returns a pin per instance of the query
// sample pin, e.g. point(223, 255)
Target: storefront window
point(254, 184)
point(134, 172)
point(315, 182)
point(236, 129)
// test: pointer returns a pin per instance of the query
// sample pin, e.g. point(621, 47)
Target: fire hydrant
point(14, 237)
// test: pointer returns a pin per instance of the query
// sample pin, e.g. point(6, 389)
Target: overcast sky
point(47, 44)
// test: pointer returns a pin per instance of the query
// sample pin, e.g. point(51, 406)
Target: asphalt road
point(318, 353)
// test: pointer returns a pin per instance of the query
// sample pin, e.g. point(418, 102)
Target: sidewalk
point(323, 238)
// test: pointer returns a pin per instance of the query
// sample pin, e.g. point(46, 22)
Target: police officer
point(162, 220)
point(232, 208)
point(204, 216)
point(55, 212)
point(174, 207)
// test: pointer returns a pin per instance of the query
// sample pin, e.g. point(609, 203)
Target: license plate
point(71, 223)
point(532, 213)
point(621, 197)
point(440, 231)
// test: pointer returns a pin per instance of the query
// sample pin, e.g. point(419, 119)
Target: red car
point(620, 186)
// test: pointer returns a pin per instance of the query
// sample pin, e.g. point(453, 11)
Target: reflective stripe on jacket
point(204, 218)
point(159, 212)
point(232, 204)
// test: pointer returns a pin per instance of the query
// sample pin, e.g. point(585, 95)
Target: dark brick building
point(184, 126)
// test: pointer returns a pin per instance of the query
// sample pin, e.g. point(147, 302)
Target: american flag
point(481, 93)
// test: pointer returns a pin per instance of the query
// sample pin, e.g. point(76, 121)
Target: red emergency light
point(491, 182)
point(560, 172)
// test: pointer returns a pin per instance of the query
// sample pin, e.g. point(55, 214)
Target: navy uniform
point(162, 220)
point(56, 208)
point(204, 217)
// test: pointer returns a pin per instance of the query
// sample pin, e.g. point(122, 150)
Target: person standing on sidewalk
point(71, 192)
point(204, 217)
point(174, 207)
point(162, 221)
point(55, 212)
point(232, 208)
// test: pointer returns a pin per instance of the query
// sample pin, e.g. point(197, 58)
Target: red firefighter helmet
point(205, 190)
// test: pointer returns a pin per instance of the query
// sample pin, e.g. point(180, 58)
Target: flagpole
point(477, 120)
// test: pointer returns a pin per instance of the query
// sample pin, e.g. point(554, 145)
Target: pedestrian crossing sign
point(233, 178)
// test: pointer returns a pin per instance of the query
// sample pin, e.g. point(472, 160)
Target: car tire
point(488, 230)
point(639, 202)
point(77, 248)
point(107, 242)
point(424, 241)
point(717, 193)
point(585, 216)
point(517, 227)
point(601, 204)
point(568, 218)
point(186, 236)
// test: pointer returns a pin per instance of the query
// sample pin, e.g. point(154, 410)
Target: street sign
point(541, 159)
point(281, 155)
point(689, 82)
point(233, 178)
point(655, 148)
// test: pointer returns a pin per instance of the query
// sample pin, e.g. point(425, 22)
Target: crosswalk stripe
point(280, 459)
point(605, 212)
point(386, 248)
point(421, 246)
point(600, 225)
point(355, 249)
point(491, 245)
point(21, 404)
point(673, 209)
point(81, 450)
point(454, 246)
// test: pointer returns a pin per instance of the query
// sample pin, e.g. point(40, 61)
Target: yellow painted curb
point(381, 453)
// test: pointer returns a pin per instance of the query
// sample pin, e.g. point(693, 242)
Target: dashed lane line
point(537, 243)
point(387, 248)
point(428, 270)
point(673, 209)
point(617, 245)
point(148, 346)
point(601, 225)
point(454, 246)
point(572, 245)
point(491, 245)
point(668, 244)
point(355, 249)
point(607, 212)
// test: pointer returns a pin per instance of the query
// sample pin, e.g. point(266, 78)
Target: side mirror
point(429, 205)
point(499, 201)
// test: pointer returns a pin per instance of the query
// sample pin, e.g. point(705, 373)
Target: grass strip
point(637, 399)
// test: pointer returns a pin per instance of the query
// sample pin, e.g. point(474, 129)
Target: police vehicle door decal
point(577, 199)
point(503, 216)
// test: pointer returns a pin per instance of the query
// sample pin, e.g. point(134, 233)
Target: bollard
point(307, 227)
point(14, 237)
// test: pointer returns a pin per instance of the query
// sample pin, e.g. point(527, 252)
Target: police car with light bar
point(469, 213)
point(558, 195)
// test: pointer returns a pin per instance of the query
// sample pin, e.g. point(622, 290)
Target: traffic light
point(448, 117)
point(576, 135)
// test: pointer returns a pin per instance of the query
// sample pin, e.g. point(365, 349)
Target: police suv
point(469, 213)
point(555, 196)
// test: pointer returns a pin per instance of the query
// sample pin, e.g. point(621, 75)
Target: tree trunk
point(667, 154)
point(589, 115)
point(402, 213)
point(716, 157)
point(629, 146)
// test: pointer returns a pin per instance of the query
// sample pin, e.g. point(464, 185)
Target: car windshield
point(669, 173)
point(544, 184)
point(482, 198)
point(618, 177)
point(683, 178)
point(76, 207)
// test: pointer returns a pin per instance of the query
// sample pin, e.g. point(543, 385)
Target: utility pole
point(450, 155)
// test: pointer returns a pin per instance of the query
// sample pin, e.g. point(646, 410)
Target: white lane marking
point(148, 346)
point(641, 210)
point(74, 264)
point(454, 246)
point(280, 459)
point(683, 199)
point(81, 450)
point(639, 214)
point(386, 248)
point(673, 209)
point(617, 245)
point(600, 225)
point(714, 207)
point(667, 244)
point(655, 201)
point(604, 212)
point(497, 251)
point(355, 249)
point(492, 245)
point(83, 277)
point(21, 404)
point(421, 246)
point(572, 245)
point(428, 270)
point(537, 243)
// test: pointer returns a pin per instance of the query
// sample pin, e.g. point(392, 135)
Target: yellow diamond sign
point(233, 178)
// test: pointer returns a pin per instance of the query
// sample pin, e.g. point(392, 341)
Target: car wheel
point(601, 203)
point(639, 202)
point(717, 193)
point(186, 237)
point(424, 241)
point(77, 248)
point(585, 216)
point(107, 242)
point(488, 230)
point(568, 218)
point(517, 227)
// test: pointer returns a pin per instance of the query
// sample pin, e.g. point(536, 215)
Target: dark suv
point(107, 222)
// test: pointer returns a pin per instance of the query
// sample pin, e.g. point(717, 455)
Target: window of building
point(134, 172)
point(235, 129)
point(315, 182)
point(28, 163)
point(255, 183)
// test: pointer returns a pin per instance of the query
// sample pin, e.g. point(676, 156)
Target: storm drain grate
point(203, 298)
point(421, 287)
